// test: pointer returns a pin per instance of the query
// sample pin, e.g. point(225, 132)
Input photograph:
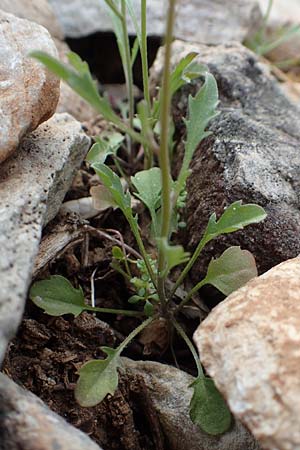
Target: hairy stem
point(121, 312)
point(164, 160)
point(134, 333)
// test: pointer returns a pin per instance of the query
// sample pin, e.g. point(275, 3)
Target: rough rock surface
point(252, 155)
point(220, 21)
point(169, 392)
point(37, 11)
point(27, 423)
point(259, 325)
point(28, 92)
point(32, 186)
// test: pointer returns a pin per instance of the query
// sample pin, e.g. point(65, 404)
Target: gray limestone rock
point(27, 423)
point(252, 155)
point(169, 391)
point(32, 186)
point(250, 345)
point(205, 21)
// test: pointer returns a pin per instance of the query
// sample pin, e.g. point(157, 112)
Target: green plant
point(262, 44)
point(163, 197)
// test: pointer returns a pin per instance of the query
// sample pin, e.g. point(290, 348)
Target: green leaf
point(105, 145)
point(56, 296)
point(208, 408)
point(201, 110)
point(117, 253)
point(232, 270)
point(98, 378)
point(113, 183)
point(174, 254)
point(79, 78)
point(186, 71)
point(235, 217)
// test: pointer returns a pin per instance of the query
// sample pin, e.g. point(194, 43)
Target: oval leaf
point(232, 270)
point(56, 296)
point(208, 409)
point(98, 378)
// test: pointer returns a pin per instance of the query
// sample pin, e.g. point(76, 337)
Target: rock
point(252, 155)
point(37, 11)
point(32, 186)
point(28, 92)
point(27, 423)
point(220, 22)
point(169, 392)
point(259, 325)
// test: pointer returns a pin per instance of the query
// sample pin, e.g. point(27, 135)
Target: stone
point(28, 92)
point(27, 423)
point(252, 155)
point(168, 389)
point(33, 184)
point(220, 21)
point(249, 345)
point(37, 11)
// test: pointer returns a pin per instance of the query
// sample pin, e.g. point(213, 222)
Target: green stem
point(111, 5)
point(164, 160)
point(128, 70)
point(189, 265)
point(134, 333)
point(121, 312)
point(190, 345)
point(190, 295)
point(144, 55)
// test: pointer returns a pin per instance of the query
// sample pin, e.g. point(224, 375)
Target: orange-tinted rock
point(28, 92)
point(250, 346)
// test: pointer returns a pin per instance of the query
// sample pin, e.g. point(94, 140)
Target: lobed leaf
point(232, 270)
point(105, 145)
point(98, 378)
point(235, 217)
point(174, 254)
point(208, 409)
point(56, 296)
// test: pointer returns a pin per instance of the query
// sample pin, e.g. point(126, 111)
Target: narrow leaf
point(98, 378)
point(208, 408)
point(234, 218)
point(80, 80)
point(232, 270)
point(56, 296)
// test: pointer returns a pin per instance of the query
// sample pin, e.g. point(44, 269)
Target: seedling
point(163, 197)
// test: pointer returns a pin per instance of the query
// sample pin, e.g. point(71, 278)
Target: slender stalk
point(128, 70)
point(121, 312)
point(164, 160)
point(144, 54)
point(190, 295)
point(190, 345)
point(188, 267)
point(134, 333)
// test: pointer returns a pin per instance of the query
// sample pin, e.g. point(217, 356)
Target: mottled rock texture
point(169, 391)
point(32, 186)
point(250, 345)
point(205, 21)
point(39, 11)
point(28, 92)
point(27, 423)
point(252, 155)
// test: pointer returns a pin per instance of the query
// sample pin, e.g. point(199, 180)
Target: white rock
point(33, 184)
point(204, 21)
point(168, 390)
point(250, 346)
point(28, 92)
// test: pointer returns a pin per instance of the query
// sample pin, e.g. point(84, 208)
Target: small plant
point(262, 44)
point(163, 197)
